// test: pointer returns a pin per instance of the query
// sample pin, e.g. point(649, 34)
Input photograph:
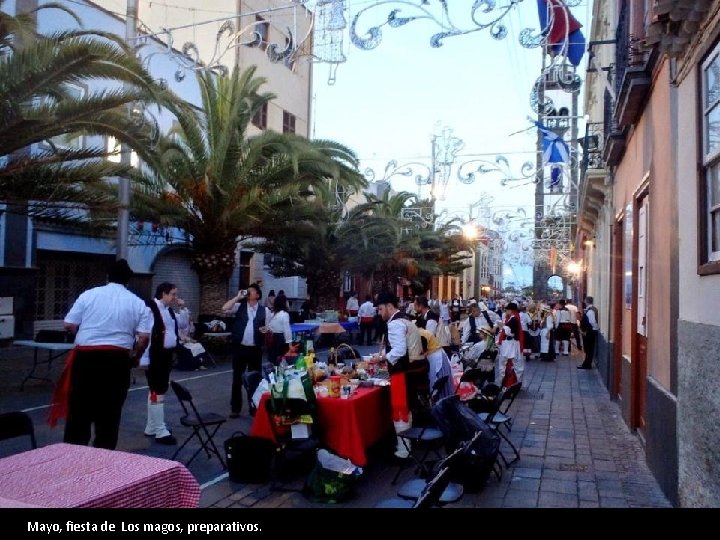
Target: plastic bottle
point(309, 359)
point(300, 362)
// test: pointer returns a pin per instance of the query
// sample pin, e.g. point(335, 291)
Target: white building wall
point(697, 293)
point(291, 85)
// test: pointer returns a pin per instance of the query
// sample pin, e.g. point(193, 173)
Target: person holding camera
point(247, 340)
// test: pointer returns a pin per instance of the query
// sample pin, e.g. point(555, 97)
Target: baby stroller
point(191, 357)
point(459, 424)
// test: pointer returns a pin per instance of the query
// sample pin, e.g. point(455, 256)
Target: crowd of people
point(115, 331)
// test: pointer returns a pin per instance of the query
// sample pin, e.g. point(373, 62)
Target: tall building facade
point(648, 230)
point(46, 267)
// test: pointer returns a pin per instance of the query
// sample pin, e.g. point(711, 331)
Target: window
point(262, 33)
point(261, 117)
point(710, 181)
point(288, 122)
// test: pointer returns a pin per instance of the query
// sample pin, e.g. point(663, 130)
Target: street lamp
point(574, 269)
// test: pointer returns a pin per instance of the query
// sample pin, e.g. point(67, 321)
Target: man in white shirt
point(426, 318)
point(159, 361)
point(247, 340)
point(398, 359)
point(575, 319)
point(366, 314)
point(352, 305)
point(479, 317)
point(107, 320)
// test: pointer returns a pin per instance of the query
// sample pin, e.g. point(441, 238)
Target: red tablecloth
point(347, 426)
point(71, 476)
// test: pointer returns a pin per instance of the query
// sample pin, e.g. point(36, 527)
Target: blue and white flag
point(555, 149)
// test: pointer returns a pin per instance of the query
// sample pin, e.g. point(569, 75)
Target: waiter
point(399, 343)
point(96, 379)
point(158, 359)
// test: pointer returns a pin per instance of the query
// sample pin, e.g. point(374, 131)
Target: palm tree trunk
point(213, 292)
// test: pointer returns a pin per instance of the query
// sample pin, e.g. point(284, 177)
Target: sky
point(387, 103)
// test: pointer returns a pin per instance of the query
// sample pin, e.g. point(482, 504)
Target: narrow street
point(575, 449)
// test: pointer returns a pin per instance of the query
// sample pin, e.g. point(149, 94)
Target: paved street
point(576, 451)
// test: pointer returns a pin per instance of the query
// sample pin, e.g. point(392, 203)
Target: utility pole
point(123, 224)
point(540, 270)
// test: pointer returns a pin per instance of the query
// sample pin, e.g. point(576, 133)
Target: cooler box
point(7, 327)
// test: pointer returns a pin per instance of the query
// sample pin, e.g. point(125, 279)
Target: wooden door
point(640, 366)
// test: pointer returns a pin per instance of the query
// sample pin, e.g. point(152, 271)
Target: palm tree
point(391, 246)
point(224, 185)
point(38, 106)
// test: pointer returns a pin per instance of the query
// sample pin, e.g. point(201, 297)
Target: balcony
point(633, 71)
point(614, 137)
point(634, 87)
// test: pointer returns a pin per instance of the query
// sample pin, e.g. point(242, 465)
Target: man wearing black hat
point(402, 344)
point(107, 321)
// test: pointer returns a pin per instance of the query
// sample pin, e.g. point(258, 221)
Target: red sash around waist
point(398, 397)
point(61, 394)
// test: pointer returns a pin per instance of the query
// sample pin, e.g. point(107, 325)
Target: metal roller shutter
point(175, 267)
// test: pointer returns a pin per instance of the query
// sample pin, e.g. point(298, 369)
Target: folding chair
point(437, 491)
point(425, 437)
point(497, 418)
point(291, 448)
point(17, 424)
point(201, 424)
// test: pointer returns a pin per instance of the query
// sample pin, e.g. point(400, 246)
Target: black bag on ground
point(460, 424)
point(248, 458)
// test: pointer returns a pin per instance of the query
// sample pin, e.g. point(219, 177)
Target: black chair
point(294, 452)
point(437, 491)
point(423, 438)
point(204, 425)
point(497, 417)
point(17, 424)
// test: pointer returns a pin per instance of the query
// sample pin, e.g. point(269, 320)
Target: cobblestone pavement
point(576, 451)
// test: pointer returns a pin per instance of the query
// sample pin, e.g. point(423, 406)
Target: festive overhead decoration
point(324, 42)
point(562, 30)
point(555, 149)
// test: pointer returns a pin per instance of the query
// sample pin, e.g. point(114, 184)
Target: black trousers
point(278, 348)
point(158, 372)
point(98, 387)
point(576, 333)
point(589, 340)
point(244, 357)
point(366, 329)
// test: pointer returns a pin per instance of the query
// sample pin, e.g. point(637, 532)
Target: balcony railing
point(593, 146)
point(633, 70)
point(613, 135)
